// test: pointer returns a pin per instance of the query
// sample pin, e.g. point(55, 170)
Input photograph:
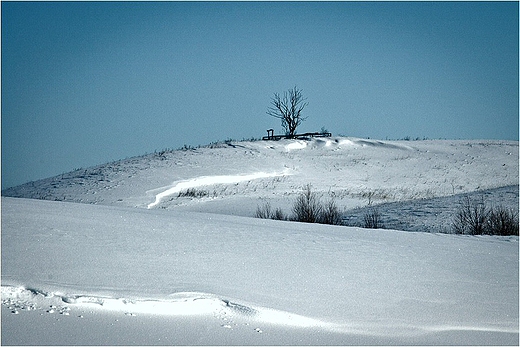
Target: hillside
point(234, 177)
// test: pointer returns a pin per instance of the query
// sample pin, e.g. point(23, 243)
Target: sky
point(85, 83)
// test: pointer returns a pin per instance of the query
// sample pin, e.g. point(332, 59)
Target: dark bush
point(278, 214)
point(330, 214)
point(502, 221)
point(307, 207)
point(266, 212)
point(474, 218)
point(372, 219)
point(471, 217)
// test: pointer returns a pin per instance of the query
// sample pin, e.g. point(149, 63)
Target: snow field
point(349, 281)
point(131, 274)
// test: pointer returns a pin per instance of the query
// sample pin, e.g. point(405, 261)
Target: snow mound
point(381, 144)
point(177, 304)
point(296, 144)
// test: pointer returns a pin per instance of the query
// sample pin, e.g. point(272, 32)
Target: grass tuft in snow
point(502, 221)
point(193, 193)
point(330, 213)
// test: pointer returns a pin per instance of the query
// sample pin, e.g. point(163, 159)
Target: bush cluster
point(474, 217)
point(307, 208)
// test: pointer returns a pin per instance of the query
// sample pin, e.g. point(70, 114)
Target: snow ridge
point(178, 304)
point(211, 180)
point(231, 314)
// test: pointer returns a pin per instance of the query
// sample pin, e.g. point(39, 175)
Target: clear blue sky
point(84, 83)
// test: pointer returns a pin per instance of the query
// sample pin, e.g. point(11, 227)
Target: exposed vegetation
point(193, 193)
point(307, 208)
point(266, 212)
point(474, 217)
point(372, 219)
point(330, 213)
point(502, 221)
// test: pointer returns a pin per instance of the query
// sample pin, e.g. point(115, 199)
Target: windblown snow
point(124, 257)
point(209, 180)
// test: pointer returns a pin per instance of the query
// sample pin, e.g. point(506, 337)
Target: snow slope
point(163, 273)
point(431, 215)
point(349, 169)
point(383, 284)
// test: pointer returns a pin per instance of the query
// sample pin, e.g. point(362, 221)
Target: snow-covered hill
point(140, 265)
point(235, 177)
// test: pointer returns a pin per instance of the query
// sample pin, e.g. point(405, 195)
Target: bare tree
point(288, 108)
